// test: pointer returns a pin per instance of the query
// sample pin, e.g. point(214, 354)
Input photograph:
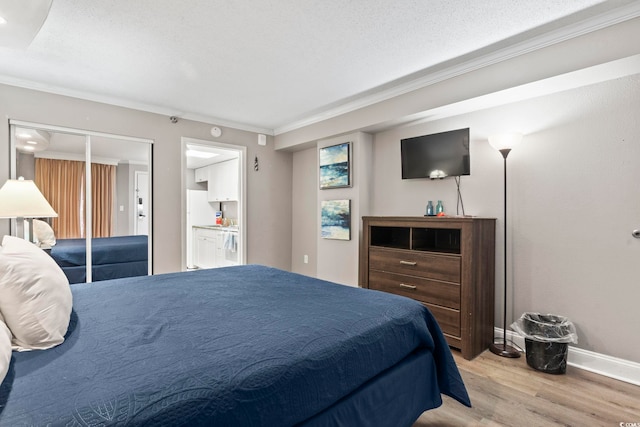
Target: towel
point(230, 241)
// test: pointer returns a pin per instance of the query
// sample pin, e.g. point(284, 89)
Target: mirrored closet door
point(99, 185)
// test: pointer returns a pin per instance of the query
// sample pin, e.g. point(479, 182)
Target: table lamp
point(21, 199)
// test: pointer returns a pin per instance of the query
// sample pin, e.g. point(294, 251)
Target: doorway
point(214, 231)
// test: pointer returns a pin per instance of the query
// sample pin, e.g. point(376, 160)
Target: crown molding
point(424, 79)
point(589, 25)
point(119, 102)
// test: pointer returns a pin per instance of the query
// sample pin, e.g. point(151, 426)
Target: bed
point(111, 257)
point(234, 346)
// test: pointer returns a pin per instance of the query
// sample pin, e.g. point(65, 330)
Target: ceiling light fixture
point(21, 21)
point(31, 140)
point(200, 154)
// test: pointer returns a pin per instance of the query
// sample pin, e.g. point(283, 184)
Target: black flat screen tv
point(436, 156)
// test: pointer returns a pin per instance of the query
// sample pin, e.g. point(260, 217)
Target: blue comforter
point(104, 250)
point(236, 346)
point(111, 257)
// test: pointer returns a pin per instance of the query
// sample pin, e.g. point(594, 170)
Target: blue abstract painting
point(335, 220)
point(335, 166)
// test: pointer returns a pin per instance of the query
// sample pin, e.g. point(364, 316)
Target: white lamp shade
point(505, 141)
point(21, 198)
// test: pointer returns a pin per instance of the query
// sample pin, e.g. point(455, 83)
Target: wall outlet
point(121, 208)
point(306, 259)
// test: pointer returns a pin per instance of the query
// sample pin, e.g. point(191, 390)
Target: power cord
point(459, 202)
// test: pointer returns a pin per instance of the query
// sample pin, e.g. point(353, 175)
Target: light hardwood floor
point(507, 392)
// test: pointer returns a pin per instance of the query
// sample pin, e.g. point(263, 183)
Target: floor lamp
point(20, 198)
point(504, 143)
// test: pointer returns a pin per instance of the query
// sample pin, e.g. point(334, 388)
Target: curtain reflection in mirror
point(63, 183)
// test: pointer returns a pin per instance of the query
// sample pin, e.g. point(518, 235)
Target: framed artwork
point(335, 166)
point(335, 220)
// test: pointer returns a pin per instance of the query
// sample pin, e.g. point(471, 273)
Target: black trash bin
point(547, 339)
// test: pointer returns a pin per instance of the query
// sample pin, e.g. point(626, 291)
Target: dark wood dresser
point(446, 263)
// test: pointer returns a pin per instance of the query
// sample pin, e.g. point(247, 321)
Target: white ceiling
point(261, 65)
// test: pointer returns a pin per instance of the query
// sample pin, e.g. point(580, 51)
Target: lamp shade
point(505, 141)
point(20, 198)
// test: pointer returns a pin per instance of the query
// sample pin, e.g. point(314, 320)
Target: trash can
point(547, 338)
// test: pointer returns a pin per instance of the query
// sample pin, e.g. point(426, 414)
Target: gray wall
point(573, 202)
point(125, 190)
point(305, 212)
point(26, 165)
point(573, 194)
point(338, 259)
point(122, 199)
point(269, 190)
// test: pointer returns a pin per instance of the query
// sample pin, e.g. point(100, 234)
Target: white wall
point(573, 201)
point(269, 189)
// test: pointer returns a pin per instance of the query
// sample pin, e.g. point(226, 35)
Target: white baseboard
point(609, 366)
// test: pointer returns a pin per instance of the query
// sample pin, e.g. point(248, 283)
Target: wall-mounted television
point(437, 155)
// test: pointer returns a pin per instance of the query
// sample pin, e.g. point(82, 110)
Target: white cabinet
point(202, 174)
point(209, 248)
point(220, 249)
point(229, 172)
point(205, 246)
point(226, 256)
point(223, 181)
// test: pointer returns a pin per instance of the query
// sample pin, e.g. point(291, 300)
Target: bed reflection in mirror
point(105, 206)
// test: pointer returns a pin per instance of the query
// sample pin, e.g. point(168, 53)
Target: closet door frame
point(88, 199)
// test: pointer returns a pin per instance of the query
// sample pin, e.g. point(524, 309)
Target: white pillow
point(43, 233)
point(5, 349)
point(35, 297)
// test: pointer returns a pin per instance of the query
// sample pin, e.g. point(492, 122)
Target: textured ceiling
point(258, 63)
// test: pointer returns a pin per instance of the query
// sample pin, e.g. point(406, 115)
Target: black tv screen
point(438, 155)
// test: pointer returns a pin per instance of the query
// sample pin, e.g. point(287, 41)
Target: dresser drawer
point(431, 266)
point(425, 290)
point(448, 319)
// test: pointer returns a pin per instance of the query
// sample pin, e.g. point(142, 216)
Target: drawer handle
point(408, 262)
point(403, 285)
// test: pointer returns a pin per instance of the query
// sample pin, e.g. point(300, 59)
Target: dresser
point(446, 263)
